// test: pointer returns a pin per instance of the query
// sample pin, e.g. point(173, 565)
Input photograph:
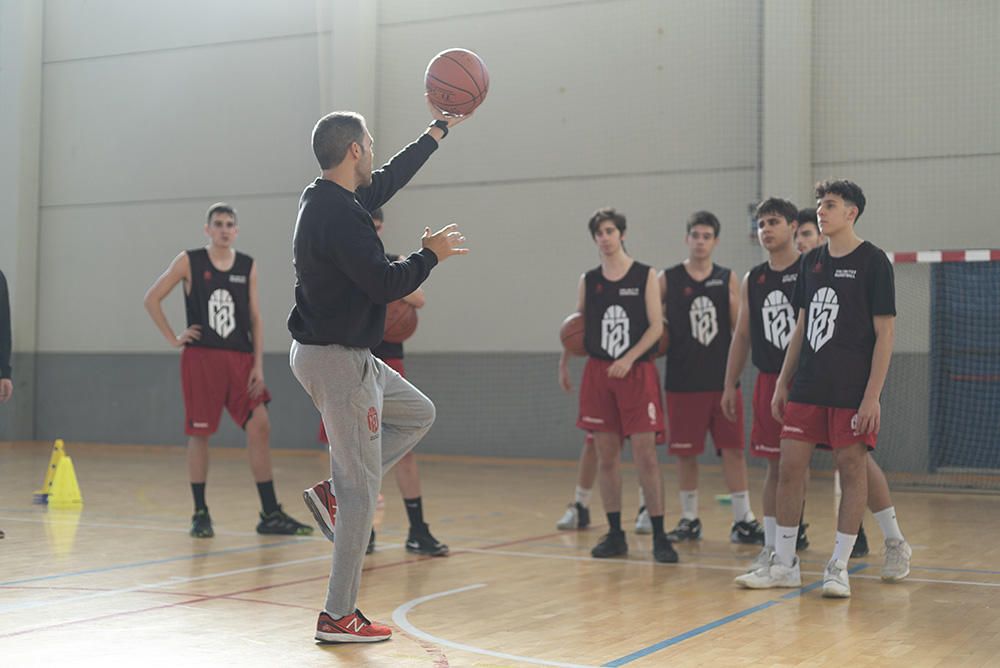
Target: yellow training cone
point(65, 491)
point(58, 452)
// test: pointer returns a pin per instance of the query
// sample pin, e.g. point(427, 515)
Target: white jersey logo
point(614, 331)
point(778, 319)
point(704, 320)
point(222, 312)
point(822, 317)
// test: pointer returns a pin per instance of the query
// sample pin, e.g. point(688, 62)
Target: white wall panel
point(192, 123)
point(586, 89)
point(905, 79)
point(96, 263)
point(92, 28)
point(409, 11)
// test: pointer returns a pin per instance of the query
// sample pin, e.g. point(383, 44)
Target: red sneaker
point(352, 628)
point(323, 504)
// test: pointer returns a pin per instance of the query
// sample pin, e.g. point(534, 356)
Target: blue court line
point(140, 564)
point(646, 651)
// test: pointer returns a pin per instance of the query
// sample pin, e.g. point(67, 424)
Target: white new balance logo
point(355, 625)
point(823, 312)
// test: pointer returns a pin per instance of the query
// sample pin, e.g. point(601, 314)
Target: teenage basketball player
point(836, 364)
point(764, 326)
point(702, 300)
point(222, 362)
point(620, 391)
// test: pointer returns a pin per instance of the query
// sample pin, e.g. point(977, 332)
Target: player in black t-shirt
point(222, 362)
point(620, 390)
point(701, 304)
point(836, 364)
point(809, 236)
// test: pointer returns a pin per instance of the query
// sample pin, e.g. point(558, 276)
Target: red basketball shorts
point(212, 378)
point(765, 434)
point(629, 405)
point(824, 424)
point(694, 414)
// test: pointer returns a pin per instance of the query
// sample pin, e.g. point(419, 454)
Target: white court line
point(683, 564)
point(31, 605)
point(399, 618)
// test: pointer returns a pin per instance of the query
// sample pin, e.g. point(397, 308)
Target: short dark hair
point(806, 215)
point(377, 214)
point(221, 207)
point(849, 191)
point(706, 218)
point(601, 215)
point(334, 134)
point(779, 207)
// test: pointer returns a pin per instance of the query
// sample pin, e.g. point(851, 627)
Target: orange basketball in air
point(457, 81)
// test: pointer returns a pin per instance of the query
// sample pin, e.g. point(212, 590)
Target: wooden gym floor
point(122, 584)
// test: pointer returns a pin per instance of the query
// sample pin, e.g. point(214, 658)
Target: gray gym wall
point(122, 120)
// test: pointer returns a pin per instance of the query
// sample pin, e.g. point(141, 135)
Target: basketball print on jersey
point(614, 331)
point(778, 319)
point(222, 312)
point(704, 320)
point(823, 310)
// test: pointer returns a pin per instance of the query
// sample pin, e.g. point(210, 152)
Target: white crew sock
point(887, 520)
point(642, 498)
point(842, 548)
point(583, 496)
point(741, 507)
point(784, 544)
point(770, 529)
point(689, 504)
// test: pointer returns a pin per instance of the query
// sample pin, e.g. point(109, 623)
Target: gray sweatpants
point(373, 416)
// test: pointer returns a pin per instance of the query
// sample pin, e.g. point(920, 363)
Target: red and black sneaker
point(352, 628)
point(323, 505)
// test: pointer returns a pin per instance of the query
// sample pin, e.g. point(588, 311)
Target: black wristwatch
point(441, 125)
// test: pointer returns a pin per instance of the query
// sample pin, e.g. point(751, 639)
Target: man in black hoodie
point(343, 281)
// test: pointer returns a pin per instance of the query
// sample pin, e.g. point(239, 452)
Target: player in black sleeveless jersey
point(419, 540)
point(620, 391)
point(763, 328)
point(836, 364)
point(701, 301)
point(222, 362)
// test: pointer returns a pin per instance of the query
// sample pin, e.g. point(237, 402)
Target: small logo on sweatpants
point(373, 420)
